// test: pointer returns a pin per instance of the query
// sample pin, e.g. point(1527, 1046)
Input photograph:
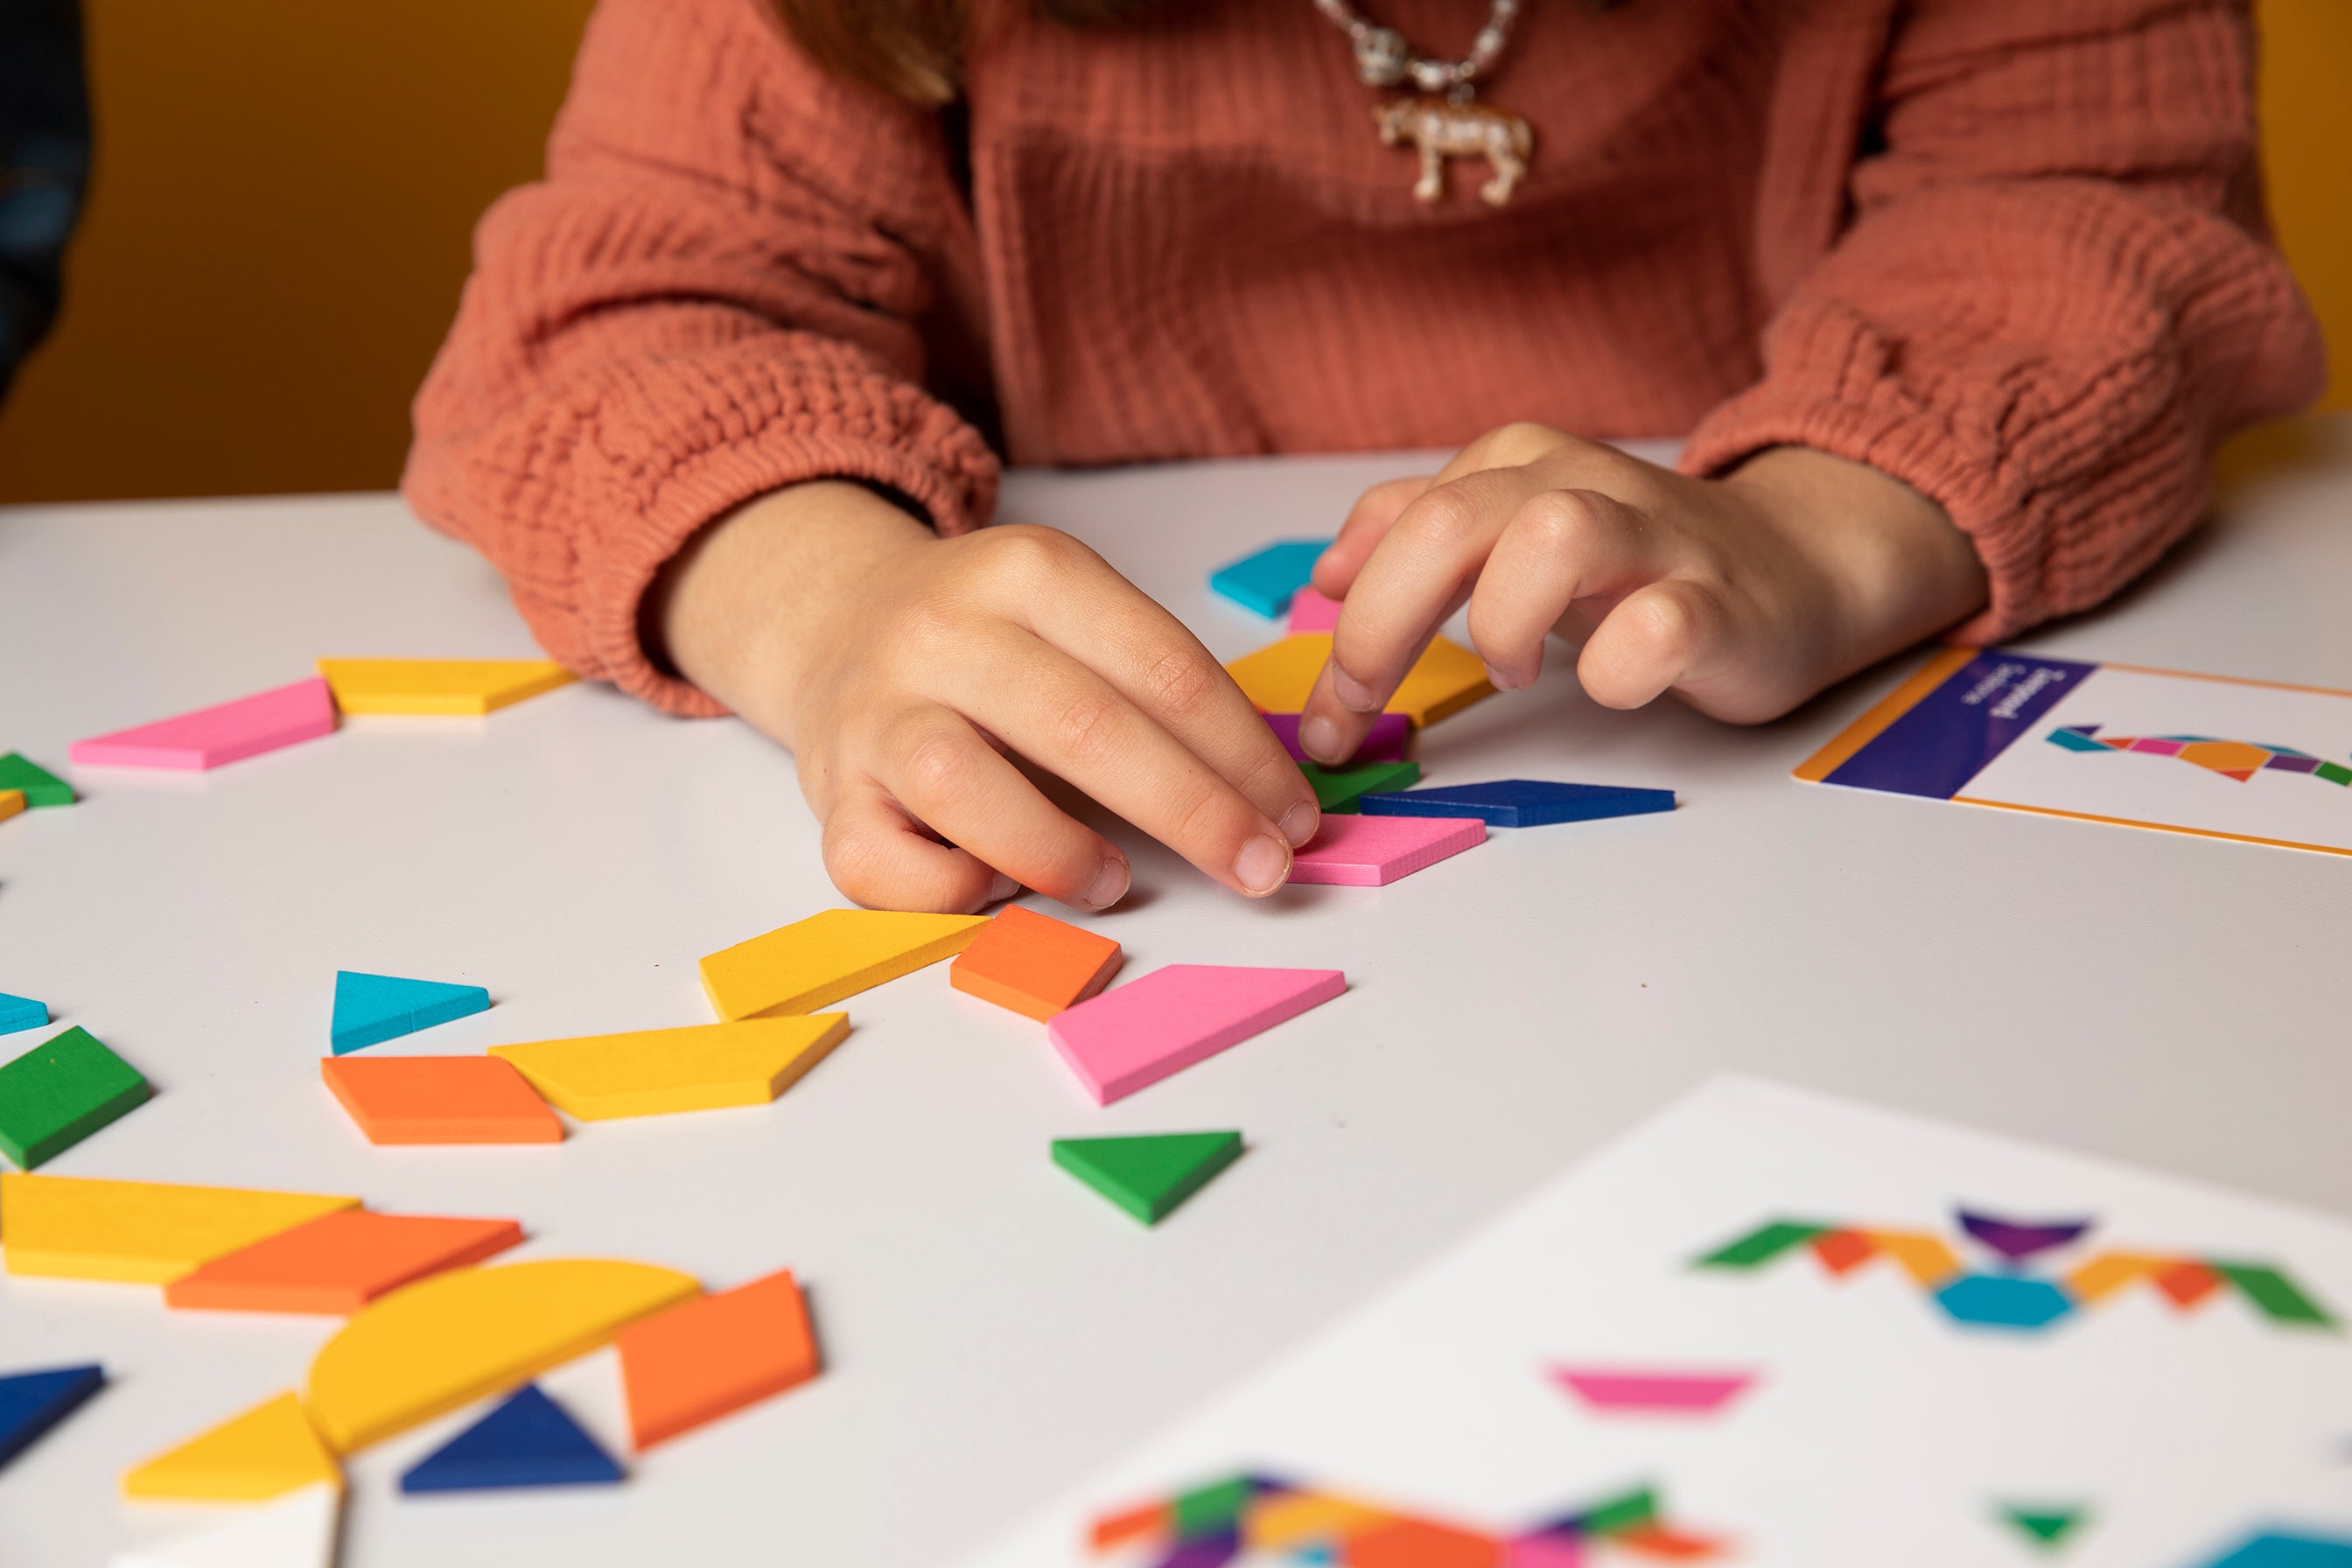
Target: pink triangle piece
point(1129, 1038)
point(225, 733)
point(1373, 851)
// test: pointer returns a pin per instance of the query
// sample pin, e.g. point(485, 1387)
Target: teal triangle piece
point(2046, 1528)
point(1148, 1175)
point(527, 1441)
point(372, 1009)
point(21, 1013)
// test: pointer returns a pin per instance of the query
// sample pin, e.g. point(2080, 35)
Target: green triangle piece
point(1148, 1176)
point(2045, 1527)
point(41, 786)
point(1339, 789)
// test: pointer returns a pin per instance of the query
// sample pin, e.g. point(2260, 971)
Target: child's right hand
point(900, 666)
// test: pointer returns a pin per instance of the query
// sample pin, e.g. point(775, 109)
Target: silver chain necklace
point(1447, 126)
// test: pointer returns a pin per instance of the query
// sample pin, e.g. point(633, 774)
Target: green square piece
point(61, 1092)
point(2334, 773)
point(41, 786)
point(1148, 1175)
point(1339, 789)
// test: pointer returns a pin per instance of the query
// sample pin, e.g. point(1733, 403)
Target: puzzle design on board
point(2240, 760)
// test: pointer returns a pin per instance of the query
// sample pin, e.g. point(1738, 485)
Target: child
point(1953, 297)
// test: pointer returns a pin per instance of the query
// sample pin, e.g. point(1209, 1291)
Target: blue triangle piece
point(372, 1009)
point(527, 1441)
point(33, 1402)
point(20, 1013)
point(1521, 803)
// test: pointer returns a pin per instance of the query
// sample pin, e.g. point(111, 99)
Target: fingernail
point(1320, 739)
point(1299, 823)
point(1110, 885)
point(1262, 865)
point(1499, 681)
point(1353, 694)
point(1002, 889)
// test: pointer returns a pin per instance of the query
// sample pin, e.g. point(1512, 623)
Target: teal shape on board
point(372, 1009)
point(2004, 1301)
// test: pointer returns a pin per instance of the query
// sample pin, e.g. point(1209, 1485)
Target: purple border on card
point(1954, 731)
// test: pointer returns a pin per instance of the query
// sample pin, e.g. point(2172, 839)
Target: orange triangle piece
point(1841, 1250)
point(713, 1355)
point(340, 1262)
point(1033, 963)
point(440, 1100)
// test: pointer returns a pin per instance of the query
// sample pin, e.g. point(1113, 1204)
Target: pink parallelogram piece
point(1383, 744)
point(211, 736)
point(1311, 612)
point(1129, 1038)
point(1373, 851)
point(1677, 1393)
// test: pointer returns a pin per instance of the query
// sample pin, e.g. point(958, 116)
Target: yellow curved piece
point(655, 1072)
point(270, 1451)
point(437, 685)
point(458, 1337)
point(79, 1227)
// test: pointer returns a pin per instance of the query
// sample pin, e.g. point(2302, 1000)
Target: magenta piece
point(2156, 746)
point(1311, 612)
point(1384, 743)
point(223, 733)
point(1132, 1038)
point(1373, 851)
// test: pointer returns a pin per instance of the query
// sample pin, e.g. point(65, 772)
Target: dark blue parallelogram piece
point(1521, 803)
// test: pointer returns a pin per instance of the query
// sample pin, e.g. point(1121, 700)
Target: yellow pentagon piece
point(815, 962)
point(428, 1348)
point(437, 685)
point(1445, 680)
point(270, 1451)
point(657, 1071)
point(73, 1227)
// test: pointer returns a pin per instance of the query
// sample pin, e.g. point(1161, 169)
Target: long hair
point(912, 49)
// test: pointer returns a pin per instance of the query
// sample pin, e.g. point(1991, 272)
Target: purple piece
point(2293, 765)
point(1385, 743)
point(1206, 1551)
point(2016, 1240)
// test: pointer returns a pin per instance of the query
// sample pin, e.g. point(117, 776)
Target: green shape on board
point(1149, 1175)
point(1339, 789)
point(1634, 1510)
point(41, 786)
point(2273, 1293)
point(1761, 1245)
point(1206, 1510)
point(2045, 1527)
point(2334, 773)
point(61, 1092)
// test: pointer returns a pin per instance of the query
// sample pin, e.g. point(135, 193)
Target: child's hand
point(900, 666)
point(1743, 595)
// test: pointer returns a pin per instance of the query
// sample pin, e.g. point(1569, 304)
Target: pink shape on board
point(1373, 851)
point(1545, 1552)
point(1311, 612)
point(211, 736)
point(1698, 1394)
point(1384, 743)
point(2159, 747)
point(1126, 1039)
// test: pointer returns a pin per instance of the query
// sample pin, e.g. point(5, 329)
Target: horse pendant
point(1442, 129)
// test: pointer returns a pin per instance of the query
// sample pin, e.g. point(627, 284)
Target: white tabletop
point(991, 1330)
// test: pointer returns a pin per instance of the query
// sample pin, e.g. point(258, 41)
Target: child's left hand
point(1742, 595)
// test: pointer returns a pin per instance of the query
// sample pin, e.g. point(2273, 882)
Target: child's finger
point(955, 783)
point(1657, 638)
point(879, 857)
point(1368, 521)
point(1561, 547)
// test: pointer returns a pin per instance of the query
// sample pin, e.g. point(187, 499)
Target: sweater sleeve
point(715, 291)
point(2054, 294)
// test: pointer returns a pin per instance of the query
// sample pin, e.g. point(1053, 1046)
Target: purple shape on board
point(2155, 745)
point(2016, 1240)
point(2293, 765)
point(1385, 743)
point(1206, 1551)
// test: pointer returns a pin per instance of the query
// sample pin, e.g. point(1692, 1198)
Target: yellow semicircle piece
point(270, 1451)
point(1445, 680)
point(437, 685)
point(458, 1337)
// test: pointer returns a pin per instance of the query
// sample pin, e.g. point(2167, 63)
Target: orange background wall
point(285, 189)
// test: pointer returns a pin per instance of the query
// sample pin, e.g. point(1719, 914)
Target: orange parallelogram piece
point(1033, 963)
point(2187, 1282)
point(713, 1355)
point(440, 1100)
point(1152, 1522)
point(1420, 1543)
point(338, 1262)
point(1841, 1250)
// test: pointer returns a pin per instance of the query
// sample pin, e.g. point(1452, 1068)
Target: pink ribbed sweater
point(2012, 251)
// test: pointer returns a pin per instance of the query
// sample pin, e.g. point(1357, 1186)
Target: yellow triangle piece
point(437, 685)
point(72, 1228)
point(270, 1451)
point(1445, 680)
point(428, 1348)
point(657, 1071)
point(815, 962)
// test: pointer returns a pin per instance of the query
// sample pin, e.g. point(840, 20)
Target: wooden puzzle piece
point(1151, 1174)
point(372, 1009)
point(1311, 612)
point(297, 1530)
point(61, 1092)
point(78, 1228)
point(1132, 1038)
point(440, 1100)
point(438, 685)
point(1446, 679)
point(714, 1355)
point(266, 1452)
point(462, 1336)
point(1384, 743)
point(33, 1402)
point(659, 1072)
point(340, 1262)
point(1267, 579)
point(526, 1441)
point(39, 786)
point(209, 737)
point(21, 1013)
point(1373, 851)
point(1339, 789)
point(1033, 963)
point(12, 801)
point(1521, 803)
point(815, 962)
